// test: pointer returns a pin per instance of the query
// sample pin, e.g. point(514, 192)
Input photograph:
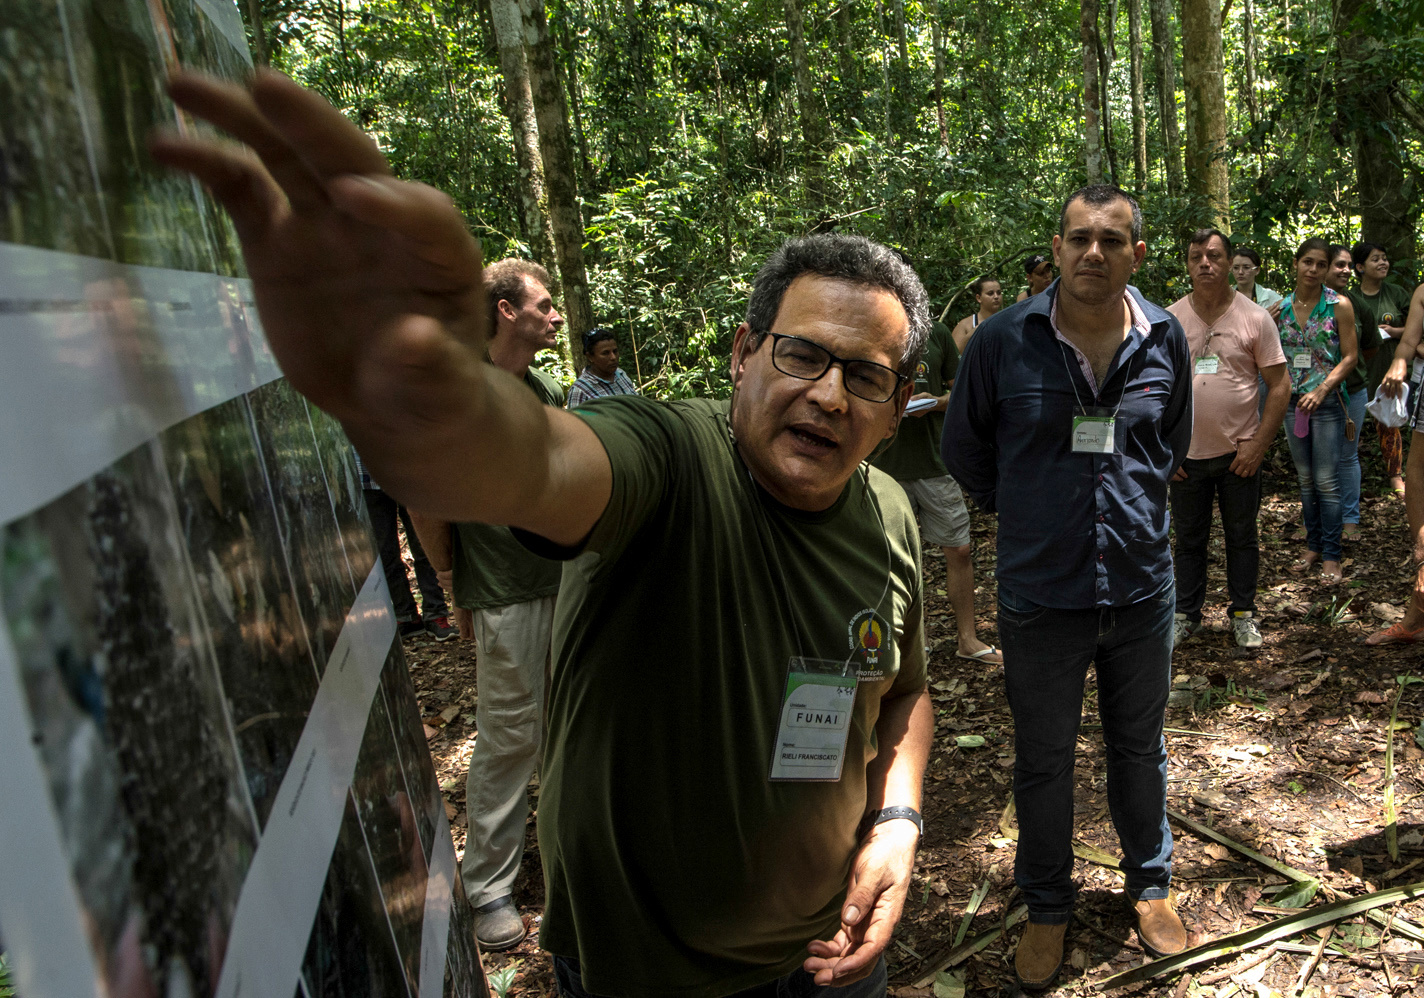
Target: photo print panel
point(214, 778)
point(130, 723)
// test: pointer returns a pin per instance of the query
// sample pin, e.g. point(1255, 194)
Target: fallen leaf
point(449, 810)
point(1216, 851)
point(948, 985)
point(1277, 681)
point(430, 732)
point(969, 741)
point(1212, 799)
point(1369, 696)
point(1314, 653)
point(448, 714)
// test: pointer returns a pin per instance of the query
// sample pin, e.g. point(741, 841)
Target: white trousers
point(512, 649)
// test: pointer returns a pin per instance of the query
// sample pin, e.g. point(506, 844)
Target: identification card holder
point(1209, 364)
point(1093, 431)
point(1300, 358)
point(815, 720)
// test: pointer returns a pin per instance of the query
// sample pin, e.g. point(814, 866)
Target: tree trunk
point(904, 103)
point(571, 79)
point(1139, 100)
point(1106, 54)
point(259, 34)
point(558, 173)
point(1092, 135)
point(1164, 58)
point(519, 105)
point(1208, 173)
point(808, 110)
point(1379, 171)
point(937, 37)
point(1248, 56)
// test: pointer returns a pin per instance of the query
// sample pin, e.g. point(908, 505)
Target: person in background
point(913, 460)
point(989, 294)
point(1388, 305)
point(601, 374)
point(1410, 628)
point(1318, 335)
point(1069, 415)
point(1245, 266)
point(505, 596)
point(1039, 271)
point(1357, 395)
point(1233, 342)
point(432, 617)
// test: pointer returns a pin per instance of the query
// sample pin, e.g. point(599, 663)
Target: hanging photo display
point(212, 766)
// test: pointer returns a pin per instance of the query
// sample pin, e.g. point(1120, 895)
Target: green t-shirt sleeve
point(640, 437)
point(914, 666)
point(949, 369)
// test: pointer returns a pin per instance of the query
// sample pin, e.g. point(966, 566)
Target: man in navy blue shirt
point(1071, 412)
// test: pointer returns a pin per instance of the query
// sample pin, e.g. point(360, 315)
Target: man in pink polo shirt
point(1232, 340)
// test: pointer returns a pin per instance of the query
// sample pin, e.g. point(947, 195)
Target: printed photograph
point(125, 699)
point(259, 640)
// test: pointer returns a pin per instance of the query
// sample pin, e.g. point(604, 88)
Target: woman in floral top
point(1318, 336)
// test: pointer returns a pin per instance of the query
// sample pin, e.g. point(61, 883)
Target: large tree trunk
point(259, 33)
point(1164, 59)
point(1203, 75)
point(1139, 98)
point(937, 38)
point(1092, 134)
point(519, 105)
point(1107, 52)
point(558, 173)
point(813, 130)
point(1365, 106)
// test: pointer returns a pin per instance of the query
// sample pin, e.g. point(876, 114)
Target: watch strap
point(891, 813)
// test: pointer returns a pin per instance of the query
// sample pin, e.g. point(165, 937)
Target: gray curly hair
point(847, 258)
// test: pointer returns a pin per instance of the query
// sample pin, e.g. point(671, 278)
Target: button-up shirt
point(590, 386)
point(1076, 530)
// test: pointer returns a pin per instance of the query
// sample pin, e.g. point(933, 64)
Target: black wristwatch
point(890, 814)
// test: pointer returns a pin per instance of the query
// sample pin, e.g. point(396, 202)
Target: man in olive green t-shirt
point(913, 460)
point(735, 770)
point(504, 599)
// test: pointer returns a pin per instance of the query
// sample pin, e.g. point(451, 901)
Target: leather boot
point(1159, 928)
point(1039, 957)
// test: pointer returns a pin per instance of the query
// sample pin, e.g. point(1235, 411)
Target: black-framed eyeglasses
point(810, 361)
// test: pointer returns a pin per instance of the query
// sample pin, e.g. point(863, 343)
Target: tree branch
point(1408, 112)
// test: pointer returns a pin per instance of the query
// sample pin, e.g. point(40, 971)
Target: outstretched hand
point(879, 881)
point(369, 288)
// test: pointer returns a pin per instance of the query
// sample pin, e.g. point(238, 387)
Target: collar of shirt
point(1140, 328)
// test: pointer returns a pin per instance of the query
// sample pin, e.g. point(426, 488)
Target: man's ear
point(902, 400)
point(1057, 245)
point(1139, 253)
point(505, 309)
point(739, 345)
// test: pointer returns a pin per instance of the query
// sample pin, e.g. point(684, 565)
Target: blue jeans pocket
point(1017, 610)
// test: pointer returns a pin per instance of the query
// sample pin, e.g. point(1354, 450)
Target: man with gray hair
point(738, 720)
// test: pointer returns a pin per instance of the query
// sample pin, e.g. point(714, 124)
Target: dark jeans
point(1240, 502)
point(1046, 657)
point(1317, 465)
point(797, 984)
point(384, 512)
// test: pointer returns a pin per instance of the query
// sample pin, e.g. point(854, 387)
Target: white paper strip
point(283, 887)
point(97, 357)
point(39, 905)
point(226, 18)
point(435, 928)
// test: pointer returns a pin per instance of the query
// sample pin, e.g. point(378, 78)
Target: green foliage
point(7, 989)
point(692, 165)
point(501, 980)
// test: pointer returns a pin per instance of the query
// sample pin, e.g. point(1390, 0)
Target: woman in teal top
point(1318, 335)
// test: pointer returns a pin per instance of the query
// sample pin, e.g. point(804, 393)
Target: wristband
point(890, 814)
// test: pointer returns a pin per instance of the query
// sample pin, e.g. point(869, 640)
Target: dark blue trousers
point(1046, 657)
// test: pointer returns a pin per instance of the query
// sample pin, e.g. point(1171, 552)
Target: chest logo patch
point(869, 636)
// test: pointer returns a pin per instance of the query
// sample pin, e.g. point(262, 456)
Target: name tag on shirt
point(1093, 434)
point(1209, 364)
point(1300, 358)
point(815, 720)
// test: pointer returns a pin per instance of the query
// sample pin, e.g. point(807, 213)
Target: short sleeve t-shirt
point(1367, 335)
point(493, 569)
point(673, 864)
point(914, 453)
point(1387, 307)
point(1227, 357)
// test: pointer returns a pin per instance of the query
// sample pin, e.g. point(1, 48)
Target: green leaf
point(969, 741)
point(948, 985)
point(1297, 895)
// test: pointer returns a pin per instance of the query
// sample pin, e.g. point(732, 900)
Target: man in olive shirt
point(738, 715)
point(913, 460)
point(504, 598)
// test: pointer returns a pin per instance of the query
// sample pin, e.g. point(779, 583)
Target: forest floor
point(1282, 750)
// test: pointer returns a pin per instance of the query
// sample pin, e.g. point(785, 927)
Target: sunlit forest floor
point(1282, 751)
